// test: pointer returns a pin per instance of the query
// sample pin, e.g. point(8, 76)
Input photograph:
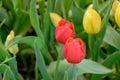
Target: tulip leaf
point(7, 69)
point(4, 16)
point(94, 68)
point(112, 59)
point(40, 62)
point(34, 19)
point(101, 34)
point(81, 68)
point(13, 66)
point(112, 37)
point(30, 41)
point(3, 52)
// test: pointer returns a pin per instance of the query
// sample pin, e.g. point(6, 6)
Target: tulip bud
point(55, 18)
point(74, 50)
point(117, 15)
point(114, 6)
point(64, 30)
point(91, 21)
point(38, 1)
point(90, 6)
point(13, 49)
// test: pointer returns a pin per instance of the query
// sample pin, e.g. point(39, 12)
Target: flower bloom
point(13, 49)
point(117, 15)
point(74, 50)
point(55, 18)
point(64, 30)
point(91, 21)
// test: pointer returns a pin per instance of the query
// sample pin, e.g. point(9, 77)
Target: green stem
point(91, 44)
point(74, 77)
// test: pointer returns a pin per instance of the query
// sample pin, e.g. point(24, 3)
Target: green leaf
point(63, 66)
point(7, 69)
point(13, 66)
point(108, 62)
point(100, 35)
point(89, 66)
point(86, 66)
point(22, 22)
point(112, 59)
point(30, 41)
point(5, 77)
point(4, 15)
point(3, 52)
point(112, 37)
point(34, 19)
point(16, 4)
point(66, 76)
point(40, 62)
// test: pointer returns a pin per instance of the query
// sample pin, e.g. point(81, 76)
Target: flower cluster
point(74, 48)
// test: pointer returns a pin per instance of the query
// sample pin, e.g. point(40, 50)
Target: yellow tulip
point(13, 49)
point(91, 21)
point(117, 15)
point(55, 18)
point(114, 6)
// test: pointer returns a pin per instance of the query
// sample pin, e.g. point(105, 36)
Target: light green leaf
point(7, 69)
point(86, 66)
point(112, 37)
point(89, 66)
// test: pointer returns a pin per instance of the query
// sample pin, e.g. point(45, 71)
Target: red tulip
point(64, 30)
point(74, 50)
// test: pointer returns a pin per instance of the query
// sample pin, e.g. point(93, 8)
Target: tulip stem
point(91, 44)
point(73, 75)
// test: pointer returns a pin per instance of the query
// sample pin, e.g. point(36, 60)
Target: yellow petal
point(117, 15)
point(13, 49)
point(91, 21)
point(114, 6)
point(55, 18)
point(38, 1)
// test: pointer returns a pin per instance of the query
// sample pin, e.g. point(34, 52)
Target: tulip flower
point(13, 49)
point(114, 6)
point(74, 50)
point(55, 18)
point(64, 30)
point(117, 15)
point(91, 21)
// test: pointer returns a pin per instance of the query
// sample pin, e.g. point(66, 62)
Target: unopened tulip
point(55, 18)
point(117, 15)
point(74, 50)
point(114, 6)
point(13, 49)
point(64, 30)
point(91, 21)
